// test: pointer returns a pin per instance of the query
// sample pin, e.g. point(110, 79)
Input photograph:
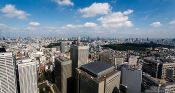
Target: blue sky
point(104, 18)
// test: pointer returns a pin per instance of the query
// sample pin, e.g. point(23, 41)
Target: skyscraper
point(79, 56)
point(98, 77)
point(27, 70)
point(129, 76)
point(63, 74)
point(7, 73)
point(63, 47)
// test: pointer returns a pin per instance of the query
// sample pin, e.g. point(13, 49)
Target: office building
point(131, 78)
point(27, 76)
point(79, 56)
point(112, 57)
point(98, 77)
point(8, 83)
point(159, 68)
point(63, 74)
point(132, 60)
point(63, 47)
point(154, 85)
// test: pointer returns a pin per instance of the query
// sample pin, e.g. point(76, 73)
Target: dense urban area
point(87, 65)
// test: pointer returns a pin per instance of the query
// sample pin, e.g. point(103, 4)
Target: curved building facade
point(7, 73)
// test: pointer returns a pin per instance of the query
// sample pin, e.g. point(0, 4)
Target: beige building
point(111, 57)
point(79, 56)
point(159, 68)
point(133, 60)
point(27, 70)
point(63, 74)
point(98, 77)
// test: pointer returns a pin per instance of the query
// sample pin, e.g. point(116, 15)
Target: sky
point(93, 18)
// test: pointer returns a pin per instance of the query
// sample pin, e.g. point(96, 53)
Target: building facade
point(63, 74)
point(8, 83)
point(159, 69)
point(132, 79)
point(27, 76)
point(104, 79)
point(79, 56)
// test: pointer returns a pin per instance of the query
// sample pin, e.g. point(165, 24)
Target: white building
point(27, 70)
point(7, 73)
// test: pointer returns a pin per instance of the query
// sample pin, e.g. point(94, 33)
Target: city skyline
point(104, 18)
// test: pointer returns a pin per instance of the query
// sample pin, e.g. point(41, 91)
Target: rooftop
point(63, 59)
point(158, 60)
point(97, 69)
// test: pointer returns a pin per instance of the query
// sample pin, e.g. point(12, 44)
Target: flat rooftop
point(97, 68)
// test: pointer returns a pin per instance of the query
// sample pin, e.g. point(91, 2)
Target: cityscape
point(87, 46)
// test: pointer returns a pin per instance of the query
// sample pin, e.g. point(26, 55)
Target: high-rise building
point(63, 47)
point(63, 73)
point(8, 83)
point(153, 85)
point(98, 77)
point(79, 56)
point(159, 68)
point(129, 76)
point(27, 76)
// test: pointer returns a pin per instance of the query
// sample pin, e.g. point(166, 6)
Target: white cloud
point(172, 22)
point(95, 9)
point(90, 24)
point(156, 24)
point(3, 26)
point(34, 24)
point(117, 19)
point(73, 26)
point(87, 24)
point(129, 11)
point(10, 11)
point(64, 2)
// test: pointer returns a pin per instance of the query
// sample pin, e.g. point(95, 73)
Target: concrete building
point(133, 60)
point(110, 57)
point(159, 68)
point(63, 47)
point(153, 85)
point(63, 74)
point(98, 77)
point(79, 56)
point(8, 83)
point(27, 71)
point(131, 78)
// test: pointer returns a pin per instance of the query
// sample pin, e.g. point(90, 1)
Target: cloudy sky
point(103, 18)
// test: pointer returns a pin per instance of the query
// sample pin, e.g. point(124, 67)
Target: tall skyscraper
point(8, 82)
point(63, 74)
point(98, 77)
point(27, 71)
point(79, 55)
point(63, 46)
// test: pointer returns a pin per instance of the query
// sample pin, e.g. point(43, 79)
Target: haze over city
point(87, 46)
point(104, 18)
